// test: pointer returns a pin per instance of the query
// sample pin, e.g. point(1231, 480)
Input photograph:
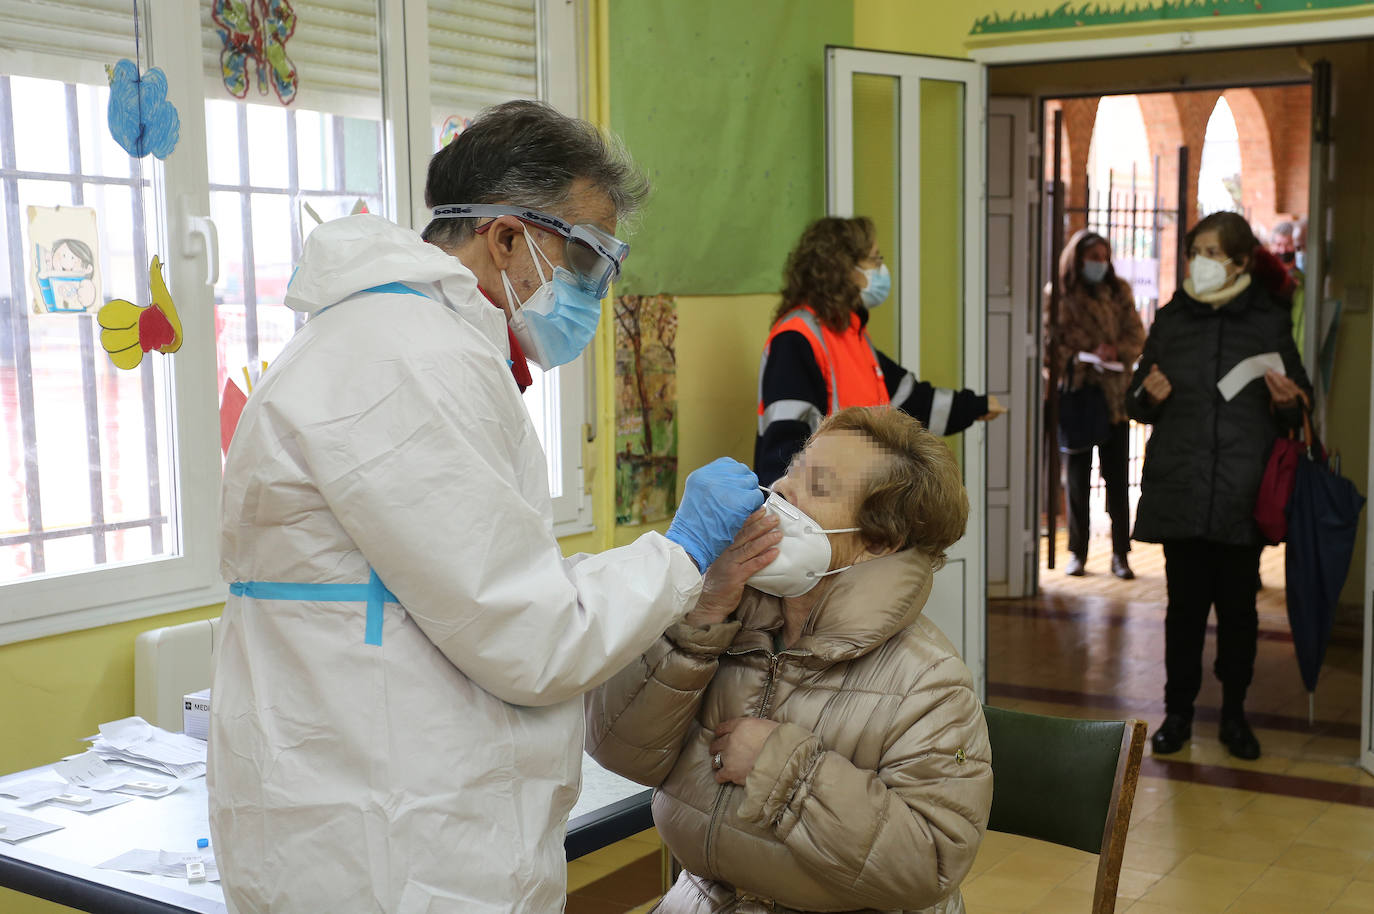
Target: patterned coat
point(1089, 315)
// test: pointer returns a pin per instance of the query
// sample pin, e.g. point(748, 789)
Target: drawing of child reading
point(65, 275)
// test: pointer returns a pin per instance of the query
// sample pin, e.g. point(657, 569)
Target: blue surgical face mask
point(879, 285)
point(558, 321)
point(1095, 271)
point(1300, 260)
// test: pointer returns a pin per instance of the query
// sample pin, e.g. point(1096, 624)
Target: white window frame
point(50, 604)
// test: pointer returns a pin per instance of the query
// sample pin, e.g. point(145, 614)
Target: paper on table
point(31, 793)
point(1248, 370)
point(135, 741)
point(92, 772)
point(161, 863)
point(91, 800)
point(17, 828)
point(1100, 364)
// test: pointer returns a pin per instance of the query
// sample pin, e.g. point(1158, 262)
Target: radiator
point(169, 663)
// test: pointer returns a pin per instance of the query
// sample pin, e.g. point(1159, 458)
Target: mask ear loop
point(512, 301)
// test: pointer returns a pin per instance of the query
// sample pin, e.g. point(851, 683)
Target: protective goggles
point(590, 254)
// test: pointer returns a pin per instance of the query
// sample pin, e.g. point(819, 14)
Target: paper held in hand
point(1100, 364)
point(1248, 370)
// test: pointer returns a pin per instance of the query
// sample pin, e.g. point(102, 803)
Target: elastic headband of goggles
point(534, 217)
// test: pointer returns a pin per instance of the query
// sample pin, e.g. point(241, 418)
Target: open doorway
point(1093, 646)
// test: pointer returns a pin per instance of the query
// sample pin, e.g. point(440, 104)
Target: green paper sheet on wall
point(723, 105)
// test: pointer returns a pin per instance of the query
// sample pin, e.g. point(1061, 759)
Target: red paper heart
point(154, 330)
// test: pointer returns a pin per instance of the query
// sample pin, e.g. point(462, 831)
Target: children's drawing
point(453, 126)
point(255, 32)
point(127, 331)
point(141, 118)
point(65, 257)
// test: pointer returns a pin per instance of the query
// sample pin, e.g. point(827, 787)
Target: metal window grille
point(17, 379)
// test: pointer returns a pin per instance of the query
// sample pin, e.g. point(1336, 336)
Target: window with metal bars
point(85, 446)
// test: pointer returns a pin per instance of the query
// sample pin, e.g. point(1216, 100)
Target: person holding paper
point(1215, 411)
point(1096, 340)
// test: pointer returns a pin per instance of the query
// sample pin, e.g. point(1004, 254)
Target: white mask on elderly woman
point(803, 555)
point(1207, 274)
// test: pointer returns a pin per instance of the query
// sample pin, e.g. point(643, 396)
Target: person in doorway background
point(1206, 458)
point(818, 358)
point(1284, 241)
point(1097, 318)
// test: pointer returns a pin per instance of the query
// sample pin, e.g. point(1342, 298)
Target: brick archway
point(1257, 185)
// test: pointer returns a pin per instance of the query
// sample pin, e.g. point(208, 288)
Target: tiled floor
point(1292, 832)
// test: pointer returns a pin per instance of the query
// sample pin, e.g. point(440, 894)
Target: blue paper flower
point(141, 118)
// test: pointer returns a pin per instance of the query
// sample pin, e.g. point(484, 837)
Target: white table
point(61, 866)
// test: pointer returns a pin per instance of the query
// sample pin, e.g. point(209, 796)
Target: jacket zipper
point(723, 792)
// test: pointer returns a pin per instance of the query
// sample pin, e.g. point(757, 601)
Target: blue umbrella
point(1323, 514)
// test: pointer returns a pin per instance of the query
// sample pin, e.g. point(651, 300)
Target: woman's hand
point(1157, 386)
point(995, 409)
point(751, 552)
point(737, 744)
point(1106, 352)
point(1284, 391)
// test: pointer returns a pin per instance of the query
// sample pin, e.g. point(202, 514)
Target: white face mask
point(803, 555)
point(1208, 275)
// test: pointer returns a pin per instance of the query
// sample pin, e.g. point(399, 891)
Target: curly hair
point(917, 500)
point(820, 269)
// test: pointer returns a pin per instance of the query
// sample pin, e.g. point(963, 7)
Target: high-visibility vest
point(848, 362)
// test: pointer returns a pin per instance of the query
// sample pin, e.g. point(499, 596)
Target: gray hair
point(527, 154)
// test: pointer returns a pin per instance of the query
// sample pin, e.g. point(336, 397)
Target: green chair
point(1069, 782)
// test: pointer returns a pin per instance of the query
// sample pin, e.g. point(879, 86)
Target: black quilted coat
point(1206, 456)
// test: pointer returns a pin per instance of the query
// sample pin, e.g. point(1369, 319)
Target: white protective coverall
point(433, 771)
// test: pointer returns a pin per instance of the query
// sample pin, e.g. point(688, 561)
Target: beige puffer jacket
point(872, 795)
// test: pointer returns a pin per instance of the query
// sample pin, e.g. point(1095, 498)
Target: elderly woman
point(818, 357)
point(816, 743)
point(1206, 458)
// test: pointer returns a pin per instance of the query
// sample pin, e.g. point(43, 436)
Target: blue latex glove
point(716, 501)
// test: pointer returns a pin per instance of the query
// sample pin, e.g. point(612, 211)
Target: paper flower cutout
point(127, 331)
point(141, 118)
point(256, 32)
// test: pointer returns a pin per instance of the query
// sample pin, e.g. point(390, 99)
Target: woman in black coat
point(1206, 457)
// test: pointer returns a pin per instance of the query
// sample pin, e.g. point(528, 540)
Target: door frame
point(1204, 38)
point(969, 555)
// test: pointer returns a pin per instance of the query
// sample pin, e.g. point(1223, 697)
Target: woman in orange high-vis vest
point(819, 359)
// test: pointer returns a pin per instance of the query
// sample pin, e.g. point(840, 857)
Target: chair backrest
point(1070, 782)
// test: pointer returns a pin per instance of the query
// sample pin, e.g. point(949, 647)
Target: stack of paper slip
point(90, 771)
point(161, 863)
point(136, 742)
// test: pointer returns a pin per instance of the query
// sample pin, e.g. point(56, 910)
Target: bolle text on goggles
point(592, 255)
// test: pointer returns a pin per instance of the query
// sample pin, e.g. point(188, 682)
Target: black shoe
point(1074, 568)
point(1121, 569)
point(1172, 735)
point(1239, 739)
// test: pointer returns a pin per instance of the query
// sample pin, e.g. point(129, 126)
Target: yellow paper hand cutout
point(127, 331)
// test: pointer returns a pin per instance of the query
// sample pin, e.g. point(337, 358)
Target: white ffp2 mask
point(803, 555)
point(1207, 274)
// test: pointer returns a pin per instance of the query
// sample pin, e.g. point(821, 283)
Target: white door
point(1013, 357)
point(905, 145)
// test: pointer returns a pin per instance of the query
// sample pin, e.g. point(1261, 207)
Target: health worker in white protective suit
point(396, 721)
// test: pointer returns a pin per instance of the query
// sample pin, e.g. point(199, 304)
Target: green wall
point(722, 103)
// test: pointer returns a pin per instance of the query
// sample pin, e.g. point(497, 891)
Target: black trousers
point(1113, 456)
point(1201, 574)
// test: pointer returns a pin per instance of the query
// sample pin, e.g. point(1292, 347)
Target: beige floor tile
point(1256, 823)
point(1144, 907)
point(1334, 861)
point(1185, 895)
point(1258, 902)
point(1338, 834)
point(1366, 872)
point(1315, 888)
point(1199, 867)
point(1149, 858)
point(1358, 895)
point(1296, 808)
point(1325, 771)
point(1063, 901)
point(1248, 847)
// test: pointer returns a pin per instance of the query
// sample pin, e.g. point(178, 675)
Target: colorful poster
point(645, 408)
point(64, 257)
